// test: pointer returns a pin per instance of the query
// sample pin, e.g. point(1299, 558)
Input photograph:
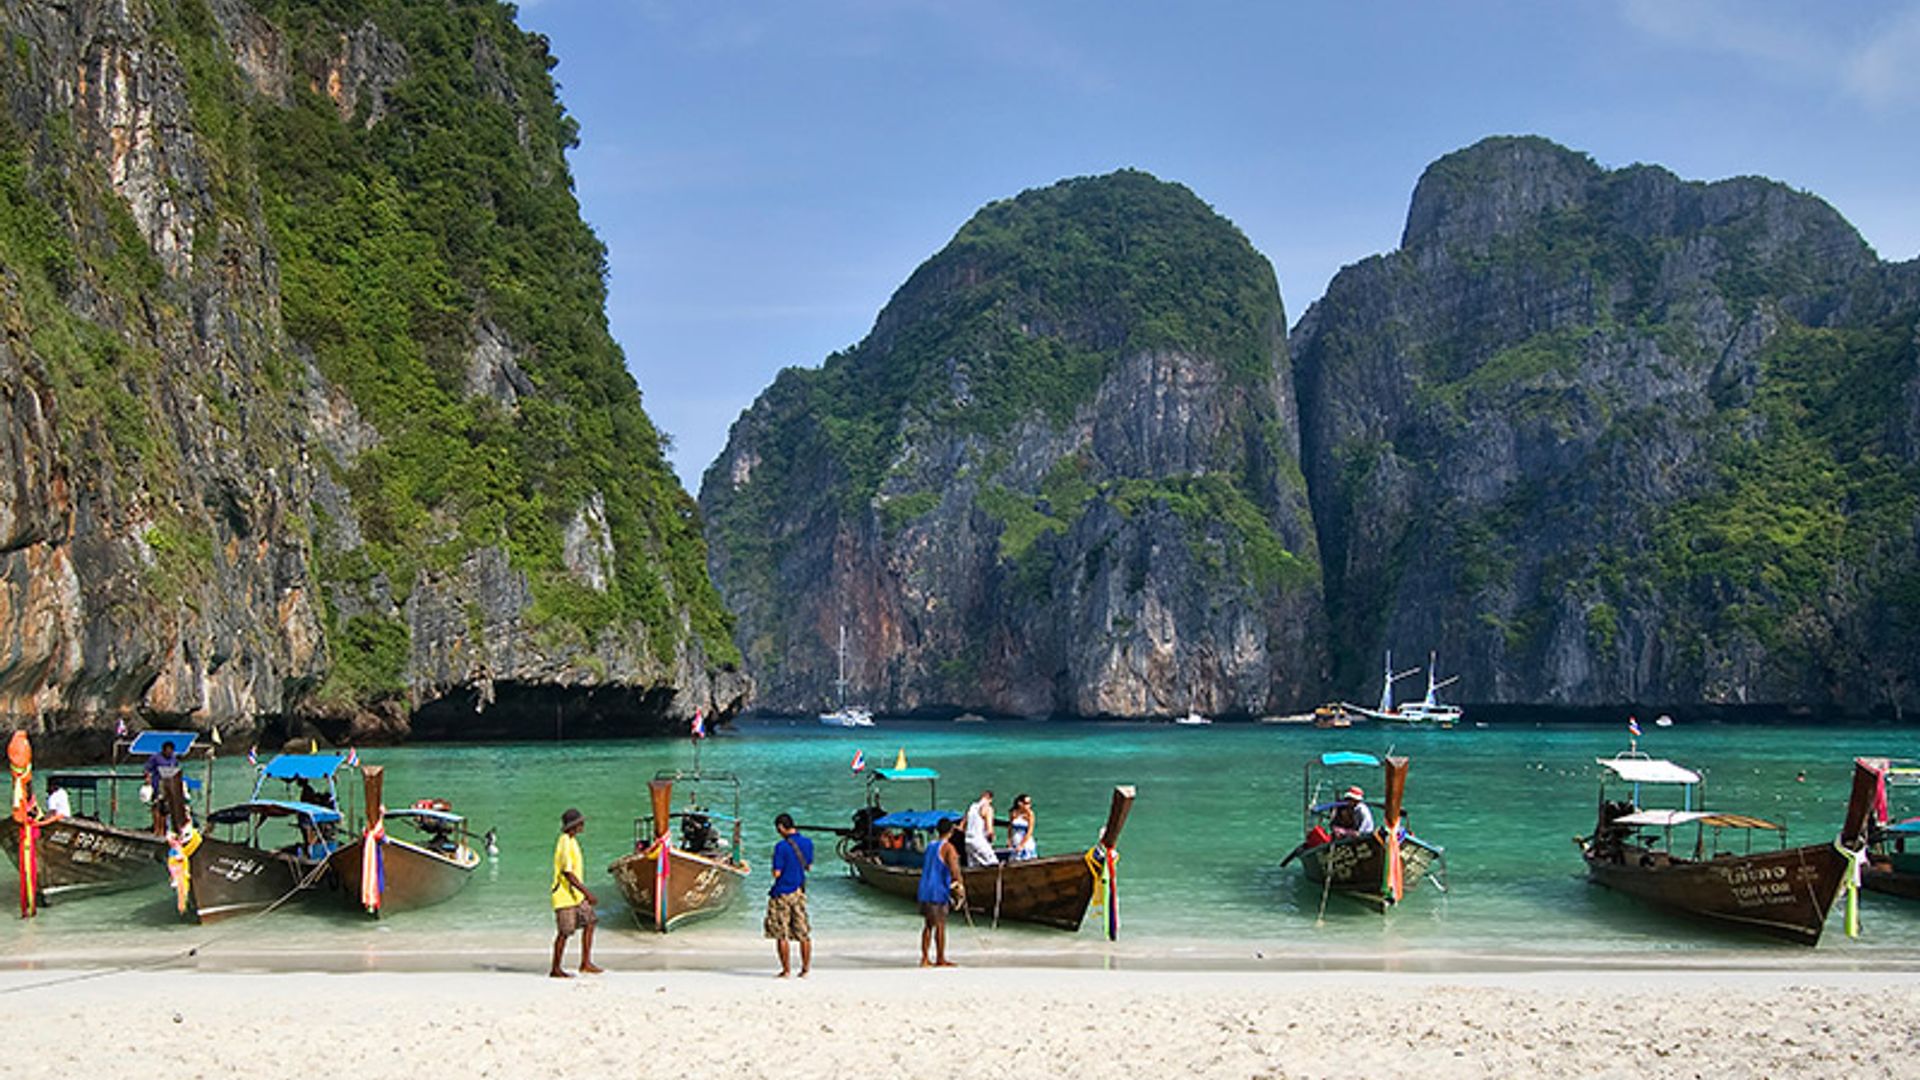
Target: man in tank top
point(939, 877)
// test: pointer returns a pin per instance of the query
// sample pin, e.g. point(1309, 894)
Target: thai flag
point(859, 760)
point(353, 757)
point(253, 758)
point(699, 724)
point(1633, 727)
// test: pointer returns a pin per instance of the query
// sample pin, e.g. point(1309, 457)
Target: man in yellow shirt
point(572, 901)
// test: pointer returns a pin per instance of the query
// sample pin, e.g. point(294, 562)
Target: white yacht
point(846, 716)
point(1427, 711)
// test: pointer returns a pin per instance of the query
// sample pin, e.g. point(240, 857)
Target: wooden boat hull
point(417, 877)
point(227, 879)
point(1895, 874)
point(697, 886)
point(80, 855)
point(1784, 894)
point(1052, 891)
point(1356, 866)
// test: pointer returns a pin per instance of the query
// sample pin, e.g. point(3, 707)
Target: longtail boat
point(1893, 847)
point(267, 850)
point(1373, 865)
point(669, 880)
point(92, 849)
point(885, 849)
point(382, 873)
point(1784, 893)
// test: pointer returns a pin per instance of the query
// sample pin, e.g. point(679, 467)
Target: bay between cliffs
point(1200, 885)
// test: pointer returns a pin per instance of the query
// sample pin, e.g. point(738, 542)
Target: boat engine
point(696, 833)
point(1608, 837)
point(864, 835)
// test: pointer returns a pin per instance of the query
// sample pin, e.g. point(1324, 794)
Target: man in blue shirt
point(787, 900)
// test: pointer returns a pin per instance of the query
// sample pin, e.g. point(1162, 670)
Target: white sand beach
point(968, 1022)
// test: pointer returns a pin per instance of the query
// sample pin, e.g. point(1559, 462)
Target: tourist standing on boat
point(787, 900)
point(979, 831)
point(1352, 816)
point(159, 767)
point(573, 902)
point(940, 891)
point(1020, 829)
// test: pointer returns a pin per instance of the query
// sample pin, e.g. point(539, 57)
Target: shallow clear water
point(1218, 807)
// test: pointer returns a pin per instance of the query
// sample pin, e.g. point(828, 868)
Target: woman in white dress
point(1020, 829)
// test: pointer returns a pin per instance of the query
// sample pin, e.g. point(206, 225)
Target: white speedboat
point(1192, 719)
point(847, 716)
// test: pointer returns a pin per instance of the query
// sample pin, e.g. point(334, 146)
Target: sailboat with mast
point(846, 716)
point(1427, 711)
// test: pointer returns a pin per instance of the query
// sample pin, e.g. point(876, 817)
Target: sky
point(765, 173)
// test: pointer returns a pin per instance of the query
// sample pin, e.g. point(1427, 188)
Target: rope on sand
point(172, 957)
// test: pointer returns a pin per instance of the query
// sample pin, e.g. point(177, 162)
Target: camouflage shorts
point(569, 919)
point(787, 917)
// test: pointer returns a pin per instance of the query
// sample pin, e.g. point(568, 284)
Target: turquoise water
point(1218, 807)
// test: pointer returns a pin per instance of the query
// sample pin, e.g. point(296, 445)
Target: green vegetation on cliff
point(1811, 499)
point(399, 244)
point(1024, 313)
point(1659, 427)
point(1076, 410)
point(438, 216)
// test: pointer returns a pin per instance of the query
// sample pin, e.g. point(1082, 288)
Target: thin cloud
point(1877, 64)
point(1000, 35)
point(1887, 71)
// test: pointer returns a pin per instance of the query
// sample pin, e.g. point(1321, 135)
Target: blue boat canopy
point(1348, 757)
point(1909, 827)
point(271, 808)
point(916, 819)
point(907, 774)
point(303, 766)
point(148, 743)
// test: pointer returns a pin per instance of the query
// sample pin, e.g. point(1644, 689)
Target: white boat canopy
point(1649, 771)
point(1660, 818)
point(1715, 818)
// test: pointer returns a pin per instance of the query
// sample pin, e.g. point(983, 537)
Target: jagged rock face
point(1059, 477)
point(197, 518)
point(1613, 437)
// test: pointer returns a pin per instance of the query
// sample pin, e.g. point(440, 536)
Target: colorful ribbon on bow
point(662, 867)
point(1104, 864)
point(26, 815)
point(180, 849)
point(29, 867)
point(373, 864)
point(1396, 883)
point(1856, 864)
point(661, 853)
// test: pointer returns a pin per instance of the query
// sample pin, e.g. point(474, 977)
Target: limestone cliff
point(1060, 476)
point(1611, 436)
point(308, 410)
